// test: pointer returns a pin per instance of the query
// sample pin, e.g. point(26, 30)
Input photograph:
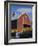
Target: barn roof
point(23, 15)
point(27, 18)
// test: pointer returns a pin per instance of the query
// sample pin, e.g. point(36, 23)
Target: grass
point(24, 29)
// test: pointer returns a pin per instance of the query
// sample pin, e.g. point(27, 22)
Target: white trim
point(21, 3)
point(20, 15)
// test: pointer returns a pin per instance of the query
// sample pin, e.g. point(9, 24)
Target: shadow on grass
point(22, 35)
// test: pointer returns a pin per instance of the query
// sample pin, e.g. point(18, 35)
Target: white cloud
point(24, 10)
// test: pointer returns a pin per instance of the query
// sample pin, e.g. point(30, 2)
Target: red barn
point(23, 19)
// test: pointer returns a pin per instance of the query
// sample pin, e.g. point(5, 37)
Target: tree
point(13, 14)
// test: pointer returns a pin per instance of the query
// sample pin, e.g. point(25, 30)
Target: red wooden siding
point(23, 19)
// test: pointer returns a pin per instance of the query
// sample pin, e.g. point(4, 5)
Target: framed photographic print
point(20, 22)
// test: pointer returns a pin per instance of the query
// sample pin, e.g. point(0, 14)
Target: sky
point(19, 9)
